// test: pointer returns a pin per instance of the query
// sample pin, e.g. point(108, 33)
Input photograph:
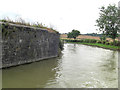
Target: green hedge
point(84, 40)
point(106, 42)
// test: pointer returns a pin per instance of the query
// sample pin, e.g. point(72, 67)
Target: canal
point(79, 66)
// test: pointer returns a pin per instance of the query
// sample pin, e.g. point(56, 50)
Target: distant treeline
point(90, 34)
point(93, 34)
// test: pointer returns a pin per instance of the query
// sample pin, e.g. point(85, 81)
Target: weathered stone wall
point(0, 46)
point(23, 44)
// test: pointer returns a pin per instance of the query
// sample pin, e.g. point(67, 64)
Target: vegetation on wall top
point(20, 21)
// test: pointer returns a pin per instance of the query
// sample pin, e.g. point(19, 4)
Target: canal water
point(79, 66)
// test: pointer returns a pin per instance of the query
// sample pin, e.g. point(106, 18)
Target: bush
point(86, 40)
point(102, 38)
point(89, 40)
point(116, 43)
point(99, 41)
point(107, 43)
point(61, 44)
point(93, 41)
point(68, 40)
point(81, 41)
point(111, 43)
point(103, 42)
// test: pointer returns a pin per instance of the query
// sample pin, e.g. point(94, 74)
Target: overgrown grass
point(21, 21)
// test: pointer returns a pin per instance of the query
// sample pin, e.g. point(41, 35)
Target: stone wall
point(0, 46)
point(24, 44)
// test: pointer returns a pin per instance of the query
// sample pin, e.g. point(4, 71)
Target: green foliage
point(99, 41)
point(73, 34)
point(102, 38)
point(90, 40)
point(4, 31)
point(113, 47)
point(61, 44)
point(3, 20)
point(111, 43)
point(39, 25)
point(93, 40)
point(117, 43)
point(83, 40)
point(105, 42)
point(108, 21)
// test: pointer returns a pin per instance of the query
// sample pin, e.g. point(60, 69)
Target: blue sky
point(63, 15)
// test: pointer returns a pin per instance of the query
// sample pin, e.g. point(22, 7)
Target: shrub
point(86, 40)
point(111, 43)
point(102, 38)
point(103, 42)
point(116, 43)
point(107, 43)
point(93, 41)
point(99, 41)
point(61, 44)
point(81, 41)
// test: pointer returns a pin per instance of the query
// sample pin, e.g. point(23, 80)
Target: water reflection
point(33, 75)
point(72, 48)
point(79, 66)
point(110, 64)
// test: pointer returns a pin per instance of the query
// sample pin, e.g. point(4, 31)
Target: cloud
point(64, 15)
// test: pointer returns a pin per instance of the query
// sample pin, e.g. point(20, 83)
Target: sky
point(62, 15)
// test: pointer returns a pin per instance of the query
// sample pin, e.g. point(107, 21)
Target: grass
point(112, 47)
point(99, 45)
point(20, 21)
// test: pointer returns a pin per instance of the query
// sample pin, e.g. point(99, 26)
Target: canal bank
point(79, 66)
point(115, 48)
point(97, 43)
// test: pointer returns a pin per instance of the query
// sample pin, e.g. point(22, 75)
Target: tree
point(119, 17)
point(108, 21)
point(73, 34)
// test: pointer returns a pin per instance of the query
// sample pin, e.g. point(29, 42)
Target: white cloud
point(64, 15)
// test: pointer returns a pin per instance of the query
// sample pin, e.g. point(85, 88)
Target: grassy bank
point(111, 47)
point(99, 45)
